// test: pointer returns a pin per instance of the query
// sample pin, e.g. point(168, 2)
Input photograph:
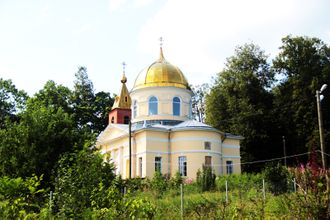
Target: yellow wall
point(149, 144)
point(231, 152)
point(165, 108)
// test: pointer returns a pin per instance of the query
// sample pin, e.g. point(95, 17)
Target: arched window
point(153, 106)
point(113, 120)
point(134, 109)
point(176, 106)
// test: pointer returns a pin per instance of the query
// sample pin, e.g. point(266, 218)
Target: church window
point(126, 120)
point(183, 165)
point(125, 98)
point(158, 164)
point(134, 109)
point(208, 161)
point(113, 120)
point(153, 106)
point(207, 145)
point(176, 106)
point(140, 166)
point(190, 109)
point(229, 167)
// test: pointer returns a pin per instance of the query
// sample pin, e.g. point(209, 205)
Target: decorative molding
point(173, 140)
point(212, 140)
point(230, 146)
point(231, 157)
point(175, 152)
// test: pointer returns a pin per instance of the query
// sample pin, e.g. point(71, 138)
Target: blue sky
point(44, 40)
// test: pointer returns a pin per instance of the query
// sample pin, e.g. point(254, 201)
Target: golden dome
point(161, 73)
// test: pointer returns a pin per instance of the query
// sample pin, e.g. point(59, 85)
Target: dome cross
point(161, 40)
point(124, 66)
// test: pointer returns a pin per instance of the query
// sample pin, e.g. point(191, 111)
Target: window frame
point(183, 165)
point(229, 167)
point(140, 166)
point(158, 164)
point(208, 159)
point(207, 145)
point(134, 109)
point(176, 106)
point(190, 115)
point(153, 104)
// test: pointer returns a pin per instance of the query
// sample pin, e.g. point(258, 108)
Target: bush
point(176, 180)
point(277, 178)
point(20, 198)
point(206, 179)
point(158, 184)
point(78, 176)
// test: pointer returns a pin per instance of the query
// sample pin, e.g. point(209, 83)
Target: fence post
point(226, 191)
point(50, 202)
point(263, 189)
point(181, 188)
point(294, 185)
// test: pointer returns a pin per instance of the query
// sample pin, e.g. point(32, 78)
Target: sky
point(43, 40)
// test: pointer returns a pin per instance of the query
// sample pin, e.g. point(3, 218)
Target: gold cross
point(161, 40)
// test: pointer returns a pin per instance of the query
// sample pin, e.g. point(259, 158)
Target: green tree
point(12, 100)
point(20, 198)
point(45, 131)
point(304, 64)
point(35, 143)
point(83, 100)
point(103, 103)
point(79, 176)
point(240, 102)
point(90, 109)
point(277, 178)
point(198, 101)
point(53, 95)
point(206, 179)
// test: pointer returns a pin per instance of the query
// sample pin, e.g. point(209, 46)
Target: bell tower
point(121, 109)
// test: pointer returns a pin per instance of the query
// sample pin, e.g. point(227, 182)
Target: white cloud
point(142, 3)
point(115, 4)
point(84, 28)
point(199, 35)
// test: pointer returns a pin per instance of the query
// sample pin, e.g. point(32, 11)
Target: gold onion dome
point(161, 73)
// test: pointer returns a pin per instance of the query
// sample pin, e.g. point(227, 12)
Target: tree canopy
point(246, 99)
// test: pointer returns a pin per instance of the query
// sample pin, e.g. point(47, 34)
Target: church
point(151, 129)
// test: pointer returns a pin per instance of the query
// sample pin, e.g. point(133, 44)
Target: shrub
point(20, 198)
point(276, 177)
point(176, 180)
point(78, 176)
point(312, 198)
point(158, 184)
point(206, 179)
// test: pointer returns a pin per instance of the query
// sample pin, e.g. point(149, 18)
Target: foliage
point(34, 144)
point(20, 198)
point(239, 102)
point(12, 101)
point(240, 182)
point(304, 64)
point(198, 101)
point(312, 198)
point(176, 180)
point(90, 109)
point(158, 184)
point(277, 178)
point(206, 179)
point(78, 176)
